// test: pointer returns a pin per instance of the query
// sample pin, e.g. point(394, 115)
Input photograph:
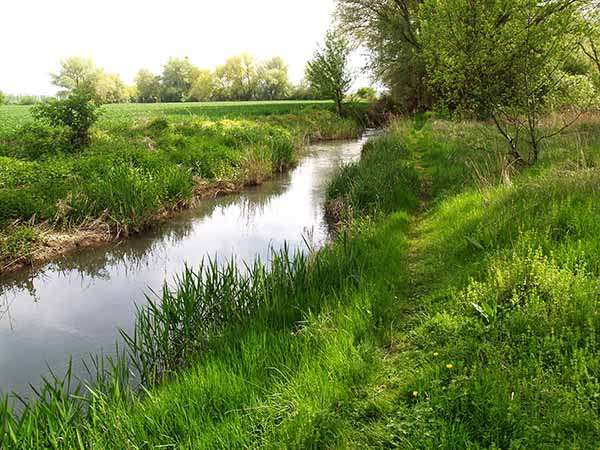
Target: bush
point(77, 113)
point(35, 140)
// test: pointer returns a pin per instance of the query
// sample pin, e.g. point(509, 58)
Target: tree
point(77, 74)
point(177, 78)
point(111, 89)
point(203, 87)
point(272, 79)
point(366, 93)
point(505, 61)
point(236, 79)
point(389, 29)
point(591, 44)
point(148, 87)
point(2, 98)
point(77, 113)
point(328, 72)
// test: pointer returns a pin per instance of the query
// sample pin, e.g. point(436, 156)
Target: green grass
point(466, 319)
point(146, 160)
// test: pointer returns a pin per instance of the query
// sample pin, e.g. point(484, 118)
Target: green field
point(12, 115)
point(145, 161)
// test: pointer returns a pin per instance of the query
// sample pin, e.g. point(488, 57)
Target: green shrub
point(77, 113)
point(36, 140)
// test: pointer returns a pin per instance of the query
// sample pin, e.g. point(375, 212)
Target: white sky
point(124, 36)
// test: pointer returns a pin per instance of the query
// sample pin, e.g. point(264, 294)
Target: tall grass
point(470, 322)
point(139, 168)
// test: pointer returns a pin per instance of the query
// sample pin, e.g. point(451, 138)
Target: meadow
point(456, 308)
point(144, 162)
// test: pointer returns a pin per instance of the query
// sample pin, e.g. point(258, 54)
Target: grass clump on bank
point(462, 314)
point(137, 171)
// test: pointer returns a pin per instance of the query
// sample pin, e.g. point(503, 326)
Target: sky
point(123, 36)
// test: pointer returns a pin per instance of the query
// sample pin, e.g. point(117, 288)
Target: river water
point(75, 306)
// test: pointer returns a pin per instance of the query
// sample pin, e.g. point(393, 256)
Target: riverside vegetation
point(143, 162)
point(457, 308)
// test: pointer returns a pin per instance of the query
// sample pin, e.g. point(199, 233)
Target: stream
point(75, 306)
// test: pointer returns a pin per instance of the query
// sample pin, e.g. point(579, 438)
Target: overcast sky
point(124, 36)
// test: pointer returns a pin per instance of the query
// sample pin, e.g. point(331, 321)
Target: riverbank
point(456, 309)
point(137, 173)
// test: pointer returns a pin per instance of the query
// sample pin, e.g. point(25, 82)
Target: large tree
point(505, 60)
point(237, 78)
point(273, 82)
point(329, 70)
point(111, 89)
point(147, 86)
point(177, 79)
point(390, 29)
point(203, 87)
point(77, 74)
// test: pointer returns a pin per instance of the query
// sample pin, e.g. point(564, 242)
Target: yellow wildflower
point(415, 393)
point(449, 366)
point(436, 354)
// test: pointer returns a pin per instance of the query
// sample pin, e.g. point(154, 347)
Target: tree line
point(511, 62)
point(240, 78)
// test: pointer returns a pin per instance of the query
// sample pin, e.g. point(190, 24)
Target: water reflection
point(76, 305)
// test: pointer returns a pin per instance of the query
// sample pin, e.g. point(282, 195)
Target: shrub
point(35, 140)
point(77, 113)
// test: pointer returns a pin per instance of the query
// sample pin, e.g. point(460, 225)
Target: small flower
point(415, 393)
point(449, 366)
point(436, 354)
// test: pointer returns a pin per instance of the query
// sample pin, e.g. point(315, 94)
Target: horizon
point(123, 46)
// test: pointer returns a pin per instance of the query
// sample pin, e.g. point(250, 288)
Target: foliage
point(505, 61)
point(2, 98)
point(177, 79)
point(366, 93)
point(329, 72)
point(237, 78)
point(204, 87)
point(390, 30)
point(77, 113)
point(111, 89)
point(273, 82)
point(77, 74)
point(148, 87)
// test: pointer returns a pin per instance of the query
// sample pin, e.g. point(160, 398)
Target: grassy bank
point(456, 309)
point(140, 167)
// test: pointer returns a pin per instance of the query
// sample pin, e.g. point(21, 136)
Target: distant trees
point(204, 86)
point(237, 78)
point(366, 93)
point(273, 82)
point(329, 70)
point(82, 76)
point(77, 74)
point(147, 87)
point(2, 98)
point(177, 79)
point(241, 77)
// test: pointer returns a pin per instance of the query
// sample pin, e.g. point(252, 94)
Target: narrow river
point(74, 307)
